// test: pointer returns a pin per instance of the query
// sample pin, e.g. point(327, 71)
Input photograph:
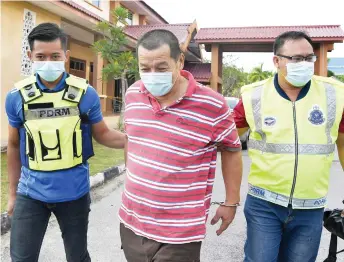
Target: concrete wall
point(103, 11)
point(12, 14)
point(82, 52)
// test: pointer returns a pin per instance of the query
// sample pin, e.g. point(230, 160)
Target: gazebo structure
point(260, 39)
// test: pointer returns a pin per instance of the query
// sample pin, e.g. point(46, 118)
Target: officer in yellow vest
point(52, 117)
point(295, 119)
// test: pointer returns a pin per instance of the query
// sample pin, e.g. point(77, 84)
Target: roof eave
point(263, 40)
point(153, 11)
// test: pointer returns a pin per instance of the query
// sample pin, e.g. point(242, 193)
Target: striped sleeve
point(224, 130)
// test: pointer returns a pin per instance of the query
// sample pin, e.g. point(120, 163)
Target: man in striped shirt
point(174, 126)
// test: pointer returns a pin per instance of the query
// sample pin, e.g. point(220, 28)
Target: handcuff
point(225, 205)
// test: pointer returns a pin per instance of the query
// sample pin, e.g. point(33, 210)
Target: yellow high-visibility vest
point(52, 123)
point(292, 144)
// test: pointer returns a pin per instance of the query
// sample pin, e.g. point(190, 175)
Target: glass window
point(96, 3)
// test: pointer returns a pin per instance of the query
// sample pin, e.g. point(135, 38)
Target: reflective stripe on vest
point(303, 149)
point(36, 114)
point(284, 200)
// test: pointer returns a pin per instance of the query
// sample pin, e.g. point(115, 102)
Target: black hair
point(47, 32)
point(289, 35)
point(156, 38)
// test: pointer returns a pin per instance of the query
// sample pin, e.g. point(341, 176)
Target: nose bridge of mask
point(157, 77)
point(300, 66)
point(49, 65)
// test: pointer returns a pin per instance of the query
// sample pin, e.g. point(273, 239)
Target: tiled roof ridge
point(260, 27)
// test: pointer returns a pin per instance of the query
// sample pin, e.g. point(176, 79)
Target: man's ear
point(275, 60)
point(181, 61)
point(67, 56)
point(29, 54)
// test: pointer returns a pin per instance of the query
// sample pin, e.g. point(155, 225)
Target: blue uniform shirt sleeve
point(13, 107)
point(90, 105)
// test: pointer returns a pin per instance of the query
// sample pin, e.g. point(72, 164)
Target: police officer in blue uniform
point(52, 118)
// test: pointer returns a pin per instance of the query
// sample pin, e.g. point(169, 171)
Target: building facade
point(78, 19)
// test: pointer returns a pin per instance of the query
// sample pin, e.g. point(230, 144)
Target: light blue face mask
point(158, 84)
point(49, 70)
point(299, 74)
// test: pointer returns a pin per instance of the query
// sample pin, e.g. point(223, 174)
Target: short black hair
point(158, 37)
point(289, 35)
point(47, 32)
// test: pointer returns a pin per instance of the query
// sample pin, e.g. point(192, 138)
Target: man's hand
point(10, 205)
point(226, 214)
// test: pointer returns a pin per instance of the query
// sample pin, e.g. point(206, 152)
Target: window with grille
point(129, 19)
point(77, 65)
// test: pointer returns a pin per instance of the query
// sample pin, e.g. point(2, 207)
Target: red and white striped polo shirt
point(171, 161)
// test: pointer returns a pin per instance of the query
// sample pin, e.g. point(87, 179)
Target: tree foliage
point(340, 78)
point(258, 74)
point(233, 78)
point(120, 63)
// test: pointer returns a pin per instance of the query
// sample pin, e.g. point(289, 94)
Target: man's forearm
point(232, 175)
point(340, 147)
point(126, 150)
point(14, 168)
point(242, 131)
point(112, 138)
point(341, 157)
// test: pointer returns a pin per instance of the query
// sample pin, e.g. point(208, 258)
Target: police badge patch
point(316, 116)
point(269, 121)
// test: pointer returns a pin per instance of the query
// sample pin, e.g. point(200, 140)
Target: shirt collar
point(191, 86)
point(60, 85)
point(280, 91)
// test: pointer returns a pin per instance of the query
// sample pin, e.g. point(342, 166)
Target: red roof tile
point(266, 33)
point(200, 71)
point(179, 30)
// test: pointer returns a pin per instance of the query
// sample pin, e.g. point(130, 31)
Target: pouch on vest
point(50, 144)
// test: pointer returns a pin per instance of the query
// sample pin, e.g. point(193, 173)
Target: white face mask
point(299, 74)
point(158, 84)
point(49, 70)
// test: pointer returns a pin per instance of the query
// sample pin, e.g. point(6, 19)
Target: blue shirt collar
point(60, 85)
point(281, 92)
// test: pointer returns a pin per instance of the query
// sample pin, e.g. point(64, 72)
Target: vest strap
point(76, 88)
point(28, 89)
